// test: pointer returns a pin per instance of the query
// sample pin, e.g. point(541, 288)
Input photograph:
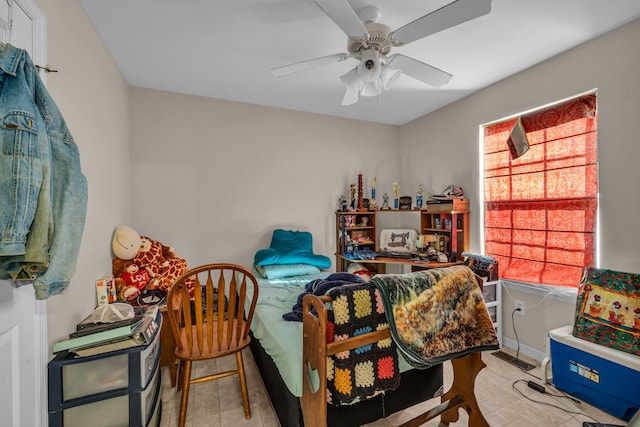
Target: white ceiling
point(224, 49)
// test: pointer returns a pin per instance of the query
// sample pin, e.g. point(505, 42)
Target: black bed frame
point(416, 386)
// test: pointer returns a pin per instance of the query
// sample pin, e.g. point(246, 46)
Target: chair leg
point(243, 385)
point(179, 370)
point(185, 370)
point(173, 373)
point(465, 371)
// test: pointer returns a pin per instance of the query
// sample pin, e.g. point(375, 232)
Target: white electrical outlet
point(520, 307)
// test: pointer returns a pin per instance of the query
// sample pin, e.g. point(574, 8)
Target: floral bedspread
point(438, 314)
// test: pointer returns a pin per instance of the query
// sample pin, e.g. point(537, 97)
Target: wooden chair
point(207, 330)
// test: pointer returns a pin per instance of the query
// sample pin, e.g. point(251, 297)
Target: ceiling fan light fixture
point(371, 89)
point(369, 70)
point(370, 67)
point(357, 86)
point(353, 86)
point(389, 75)
point(350, 78)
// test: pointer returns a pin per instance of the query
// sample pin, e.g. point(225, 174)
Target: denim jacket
point(43, 193)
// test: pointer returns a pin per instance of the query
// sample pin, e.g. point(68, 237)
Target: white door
point(23, 320)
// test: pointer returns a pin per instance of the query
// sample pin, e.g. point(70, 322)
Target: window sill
point(559, 293)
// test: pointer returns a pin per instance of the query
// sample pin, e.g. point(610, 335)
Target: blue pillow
point(291, 247)
point(281, 271)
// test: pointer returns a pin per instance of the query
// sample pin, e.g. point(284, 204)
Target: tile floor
point(218, 403)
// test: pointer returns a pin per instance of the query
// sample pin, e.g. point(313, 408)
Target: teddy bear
point(135, 281)
point(118, 268)
point(129, 290)
point(151, 258)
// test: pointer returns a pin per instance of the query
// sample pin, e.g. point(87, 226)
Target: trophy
point(373, 203)
point(373, 188)
point(361, 207)
point(396, 191)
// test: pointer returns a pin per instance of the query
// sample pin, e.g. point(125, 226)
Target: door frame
point(33, 312)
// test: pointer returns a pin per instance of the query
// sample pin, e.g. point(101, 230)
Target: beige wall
point(450, 135)
point(214, 178)
point(93, 98)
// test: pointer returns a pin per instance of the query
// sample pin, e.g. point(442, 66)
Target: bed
point(302, 363)
point(277, 347)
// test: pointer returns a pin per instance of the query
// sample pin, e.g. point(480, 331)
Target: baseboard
point(524, 349)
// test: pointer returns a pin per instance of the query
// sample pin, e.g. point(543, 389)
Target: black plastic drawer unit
point(119, 388)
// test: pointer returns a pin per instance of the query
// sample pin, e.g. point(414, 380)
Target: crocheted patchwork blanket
point(365, 371)
point(436, 315)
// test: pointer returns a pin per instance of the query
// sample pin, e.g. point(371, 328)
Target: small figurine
point(349, 221)
point(353, 196)
point(419, 196)
point(343, 203)
point(385, 202)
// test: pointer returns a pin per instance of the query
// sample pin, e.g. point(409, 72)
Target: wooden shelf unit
point(360, 235)
point(450, 220)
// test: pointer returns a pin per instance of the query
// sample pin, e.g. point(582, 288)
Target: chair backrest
point(218, 316)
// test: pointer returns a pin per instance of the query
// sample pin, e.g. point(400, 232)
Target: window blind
point(541, 208)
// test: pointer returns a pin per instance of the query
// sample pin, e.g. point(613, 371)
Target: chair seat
point(207, 351)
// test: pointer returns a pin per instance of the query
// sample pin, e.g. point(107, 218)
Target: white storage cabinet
point(492, 292)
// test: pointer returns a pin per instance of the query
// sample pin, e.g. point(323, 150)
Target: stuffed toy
point(118, 268)
point(129, 285)
point(152, 259)
point(359, 270)
point(135, 281)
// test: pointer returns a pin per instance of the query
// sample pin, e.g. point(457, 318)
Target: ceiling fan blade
point(344, 16)
point(419, 70)
point(447, 16)
point(308, 64)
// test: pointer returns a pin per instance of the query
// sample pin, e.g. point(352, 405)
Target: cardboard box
point(606, 378)
point(106, 290)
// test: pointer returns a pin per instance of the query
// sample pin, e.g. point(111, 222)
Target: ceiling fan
point(370, 42)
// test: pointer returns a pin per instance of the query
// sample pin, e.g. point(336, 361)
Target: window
point(540, 209)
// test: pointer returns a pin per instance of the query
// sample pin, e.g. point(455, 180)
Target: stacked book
point(97, 338)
